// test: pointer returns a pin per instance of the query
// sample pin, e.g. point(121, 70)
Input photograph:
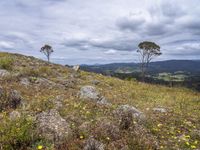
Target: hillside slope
point(48, 106)
point(171, 66)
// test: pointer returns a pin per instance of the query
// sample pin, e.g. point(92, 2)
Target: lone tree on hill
point(148, 51)
point(47, 50)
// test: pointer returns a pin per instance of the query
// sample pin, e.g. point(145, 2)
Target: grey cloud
point(89, 29)
point(126, 23)
point(118, 45)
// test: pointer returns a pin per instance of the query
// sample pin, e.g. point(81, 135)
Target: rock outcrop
point(14, 115)
point(4, 73)
point(91, 93)
point(52, 126)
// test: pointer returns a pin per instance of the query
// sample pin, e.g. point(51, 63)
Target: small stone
point(25, 82)
point(92, 144)
point(134, 111)
point(14, 115)
point(76, 68)
point(161, 110)
point(91, 93)
point(126, 114)
point(95, 82)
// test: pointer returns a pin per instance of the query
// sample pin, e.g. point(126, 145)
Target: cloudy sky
point(100, 31)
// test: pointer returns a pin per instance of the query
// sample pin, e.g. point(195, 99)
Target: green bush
point(6, 63)
point(44, 70)
point(16, 134)
point(37, 72)
point(30, 72)
point(21, 134)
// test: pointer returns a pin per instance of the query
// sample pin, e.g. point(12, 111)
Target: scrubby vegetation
point(165, 118)
point(6, 62)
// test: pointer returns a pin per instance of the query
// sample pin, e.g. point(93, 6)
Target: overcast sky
point(100, 31)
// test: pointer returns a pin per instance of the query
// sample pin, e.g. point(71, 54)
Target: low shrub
point(9, 99)
point(6, 63)
point(16, 134)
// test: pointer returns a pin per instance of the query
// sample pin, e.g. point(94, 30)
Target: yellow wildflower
point(159, 125)
point(193, 146)
point(107, 138)
point(187, 136)
point(187, 143)
point(81, 137)
point(87, 112)
point(40, 147)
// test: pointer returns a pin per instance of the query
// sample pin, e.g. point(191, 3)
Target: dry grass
point(171, 130)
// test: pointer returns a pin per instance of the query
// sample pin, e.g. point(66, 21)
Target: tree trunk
point(48, 58)
point(143, 72)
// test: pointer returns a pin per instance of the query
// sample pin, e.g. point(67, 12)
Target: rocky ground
point(48, 106)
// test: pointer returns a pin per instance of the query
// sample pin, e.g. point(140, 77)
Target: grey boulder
point(52, 126)
point(4, 73)
point(91, 93)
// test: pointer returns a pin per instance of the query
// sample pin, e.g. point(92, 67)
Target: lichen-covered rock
point(45, 82)
point(76, 68)
point(126, 114)
point(103, 101)
point(127, 108)
point(91, 93)
point(4, 73)
point(160, 110)
point(14, 115)
point(92, 144)
point(58, 102)
point(70, 83)
point(95, 82)
point(52, 126)
point(25, 82)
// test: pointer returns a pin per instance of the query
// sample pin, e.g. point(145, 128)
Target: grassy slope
point(172, 130)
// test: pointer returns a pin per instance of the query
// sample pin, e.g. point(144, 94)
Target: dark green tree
point(148, 51)
point(47, 51)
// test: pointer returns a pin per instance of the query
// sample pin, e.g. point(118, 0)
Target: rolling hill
point(47, 106)
point(171, 66)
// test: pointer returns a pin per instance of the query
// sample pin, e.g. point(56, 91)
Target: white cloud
point(6, 45)
point(110, 52)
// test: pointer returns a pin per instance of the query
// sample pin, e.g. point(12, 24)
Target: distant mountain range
point(171, 66)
